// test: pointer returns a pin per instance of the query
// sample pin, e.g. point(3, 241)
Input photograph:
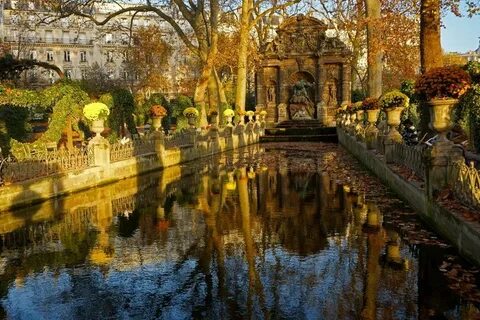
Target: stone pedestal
point(440, 159)
point(101, 151)
point(159, 143)
point(282, 112)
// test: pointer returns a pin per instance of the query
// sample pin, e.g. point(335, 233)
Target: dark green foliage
point(123, 108)
point(250, 101)
point(177, 106)
point(358, 95)
point(467, 112)
point(65, 99)
point(11, 68)
point(468, 115)
point(16, 125)
point(407, 87)
point(473, 69)
point(158, 99)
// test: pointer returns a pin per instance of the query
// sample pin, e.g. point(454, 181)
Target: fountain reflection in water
point(255, 234)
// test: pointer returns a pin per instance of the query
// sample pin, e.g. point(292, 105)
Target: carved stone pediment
point(302, 35)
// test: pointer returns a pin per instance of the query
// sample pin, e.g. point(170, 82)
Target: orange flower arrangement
point(443, 83)
point(158, 111)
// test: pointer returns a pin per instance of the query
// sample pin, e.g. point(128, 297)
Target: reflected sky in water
point(266, 233)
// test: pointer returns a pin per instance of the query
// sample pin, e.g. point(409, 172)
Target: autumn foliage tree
point(146, 60)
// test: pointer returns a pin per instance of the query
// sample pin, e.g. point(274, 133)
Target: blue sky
point(460, 34)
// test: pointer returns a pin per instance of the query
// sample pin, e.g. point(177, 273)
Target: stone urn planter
point(372, 116)
point(441, 116)
point(393, 121)
point(157, 123)
point(359, 130)
point(250, 115)
point(192, 121)
point(229, 121)
point(353, 122)
point(346, 123)
point(371, 132)
point(98, 126)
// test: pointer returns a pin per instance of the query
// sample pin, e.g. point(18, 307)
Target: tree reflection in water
point(257, 234)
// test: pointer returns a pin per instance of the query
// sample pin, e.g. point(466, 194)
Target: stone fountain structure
point(304, 74)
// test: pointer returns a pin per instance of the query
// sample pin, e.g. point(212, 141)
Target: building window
point(66, 36)
point(33, 54)
point(66, 56)
point(48, 36)
point(68, 74)
point(49, 55)
point(110, 56)
point(83, 56)
point(84, 73)
point(108, 38)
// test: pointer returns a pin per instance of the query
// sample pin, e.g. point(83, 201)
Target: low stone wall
point(463, 234)
point(104, 172)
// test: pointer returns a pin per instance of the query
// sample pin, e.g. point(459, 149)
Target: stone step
point(296, 138)
point(300, 131)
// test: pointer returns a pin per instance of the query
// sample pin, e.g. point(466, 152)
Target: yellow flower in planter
point(96, 111)
point(190, 112)
point(394, 99)
point(229, 113)
point(250, 113)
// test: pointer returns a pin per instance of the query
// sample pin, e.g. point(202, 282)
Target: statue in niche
point(301, 106)
point(271, 94)
point(300, 93)
point(330, 91)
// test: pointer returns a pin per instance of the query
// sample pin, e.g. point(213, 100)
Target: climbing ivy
point(64, 100)
point(122, 108)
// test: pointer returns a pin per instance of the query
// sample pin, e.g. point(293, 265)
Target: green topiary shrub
point(65, 100)
point(179, 104)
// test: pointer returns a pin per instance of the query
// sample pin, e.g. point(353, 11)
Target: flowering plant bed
point(158, 111)
point(96, 111)
point(443, 83)
point(370, 104)
point(393, 99)
point(190, 112)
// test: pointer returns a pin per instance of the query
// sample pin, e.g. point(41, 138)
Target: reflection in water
point(250, 235)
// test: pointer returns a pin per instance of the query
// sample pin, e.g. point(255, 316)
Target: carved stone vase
point(441, 116)
point(192, 121)
point(393, 121)
point(156, 123)
point(371, 132)
point(353, 122)
point(229, 121)
point(359, 132)
point(97, 127)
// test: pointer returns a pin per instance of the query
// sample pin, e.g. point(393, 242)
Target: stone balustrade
point(50, 174)
point(438, 167)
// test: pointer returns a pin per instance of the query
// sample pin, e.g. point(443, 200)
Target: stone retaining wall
point(105, 172)
point(463, 234)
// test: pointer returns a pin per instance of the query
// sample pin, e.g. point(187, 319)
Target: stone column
point(260, 79)
point(346, 83)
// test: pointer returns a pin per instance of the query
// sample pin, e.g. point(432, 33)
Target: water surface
point(287, 231)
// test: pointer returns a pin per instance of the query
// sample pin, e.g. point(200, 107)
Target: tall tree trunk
point(374, 51)
point(430, 46)
point(199, 94)
point(213, 96)
point(241, 89)
point(221, 89)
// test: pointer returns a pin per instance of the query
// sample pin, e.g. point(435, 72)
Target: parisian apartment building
point(76, 44)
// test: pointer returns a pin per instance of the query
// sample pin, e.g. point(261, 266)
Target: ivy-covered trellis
point(64, 100)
